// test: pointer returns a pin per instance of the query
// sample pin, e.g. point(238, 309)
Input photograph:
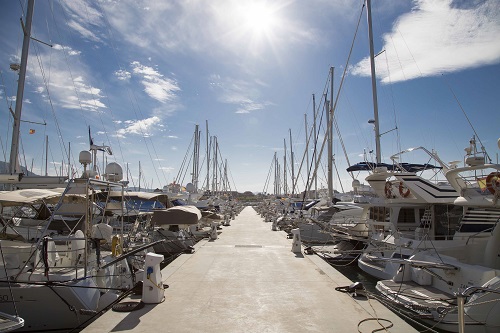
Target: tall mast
point(291, 162)
point(215, 178)
point(315, 148)
point(307, 151)
point(196, 158)
point(46, 155)
point(329, 111)
point(208, 156)
point(140, 176)
point(14, 151)
point(374, 82)
point(284, 168)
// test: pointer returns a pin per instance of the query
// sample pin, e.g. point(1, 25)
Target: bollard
point(275, 223)
point(296, 243)
point(213, 231)
point(152, 285)
point(227, 222)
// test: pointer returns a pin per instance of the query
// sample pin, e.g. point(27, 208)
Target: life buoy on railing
point(493, 182)
point(388, 190)
point(403, 190)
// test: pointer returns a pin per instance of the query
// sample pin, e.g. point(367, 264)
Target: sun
point(259, 18)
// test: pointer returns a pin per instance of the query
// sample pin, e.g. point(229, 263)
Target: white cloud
point(68, 49)
point(84, 18)
point(142, 127)
point(155, 84)
point(71, 89)
point(122, 75)
point(241, 93)
point(438, 37)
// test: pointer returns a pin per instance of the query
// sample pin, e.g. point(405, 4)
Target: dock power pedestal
point(152, 285)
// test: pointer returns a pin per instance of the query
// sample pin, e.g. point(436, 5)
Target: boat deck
point(249, 280)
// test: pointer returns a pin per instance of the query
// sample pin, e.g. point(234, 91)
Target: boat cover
point(176, 215)
point(404, 167)
point(29, 196)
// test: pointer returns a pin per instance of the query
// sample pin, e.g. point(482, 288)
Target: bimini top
point(404, 167)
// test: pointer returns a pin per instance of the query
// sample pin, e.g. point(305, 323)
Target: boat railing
point(482, 232)
point(461, 296)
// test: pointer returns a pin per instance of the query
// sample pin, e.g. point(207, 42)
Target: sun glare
point(259, 18)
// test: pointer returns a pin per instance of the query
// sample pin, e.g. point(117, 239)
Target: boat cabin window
point(447, 218)
point(380, 214)
point(406, 215)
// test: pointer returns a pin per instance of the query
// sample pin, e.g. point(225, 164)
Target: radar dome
point(190, 187)
point(85, 157)
point(355, 183)
point(114, 172)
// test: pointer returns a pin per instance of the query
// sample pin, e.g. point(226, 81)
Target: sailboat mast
point(14, 151)
point(196, 158)
point(46, 155)
point(374, 82)
point(329, 111)
point(307, 152)
point(285, 185)
point(315, 155)
point(208, 156)
point(292, 162)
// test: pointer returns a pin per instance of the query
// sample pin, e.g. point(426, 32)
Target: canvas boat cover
point(176, 215)
point(29, 196)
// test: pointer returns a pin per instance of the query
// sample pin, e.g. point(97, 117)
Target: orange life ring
point(493, 182)
point(388, 190)
point(402, 191)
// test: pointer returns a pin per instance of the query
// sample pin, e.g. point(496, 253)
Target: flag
point(32, 131)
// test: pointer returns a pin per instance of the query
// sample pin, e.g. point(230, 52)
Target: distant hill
point(4, 168)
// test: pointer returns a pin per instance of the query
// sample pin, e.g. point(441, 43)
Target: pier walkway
point(249, 280)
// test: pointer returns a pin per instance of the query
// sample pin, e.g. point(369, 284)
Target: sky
point(141, 74)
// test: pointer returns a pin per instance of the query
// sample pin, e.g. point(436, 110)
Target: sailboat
point(64, 280)
point(15, 177)
point(60, 280)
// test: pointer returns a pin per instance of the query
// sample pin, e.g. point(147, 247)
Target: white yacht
point(457, 287)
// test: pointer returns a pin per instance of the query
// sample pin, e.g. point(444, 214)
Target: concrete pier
point(249, 280)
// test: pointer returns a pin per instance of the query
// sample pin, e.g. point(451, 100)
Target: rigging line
point(267, 182)
point(9, 107)
point(109, 108)
point(308, 139)
point(9, 281)
point(315, 158)
point(181, 169)
point(67, 63)
point(398, 136)
point(344, 76)
point(95, 104)
point(135, 97)
point(46, 84)
point(232, 178)
point(466, 117)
